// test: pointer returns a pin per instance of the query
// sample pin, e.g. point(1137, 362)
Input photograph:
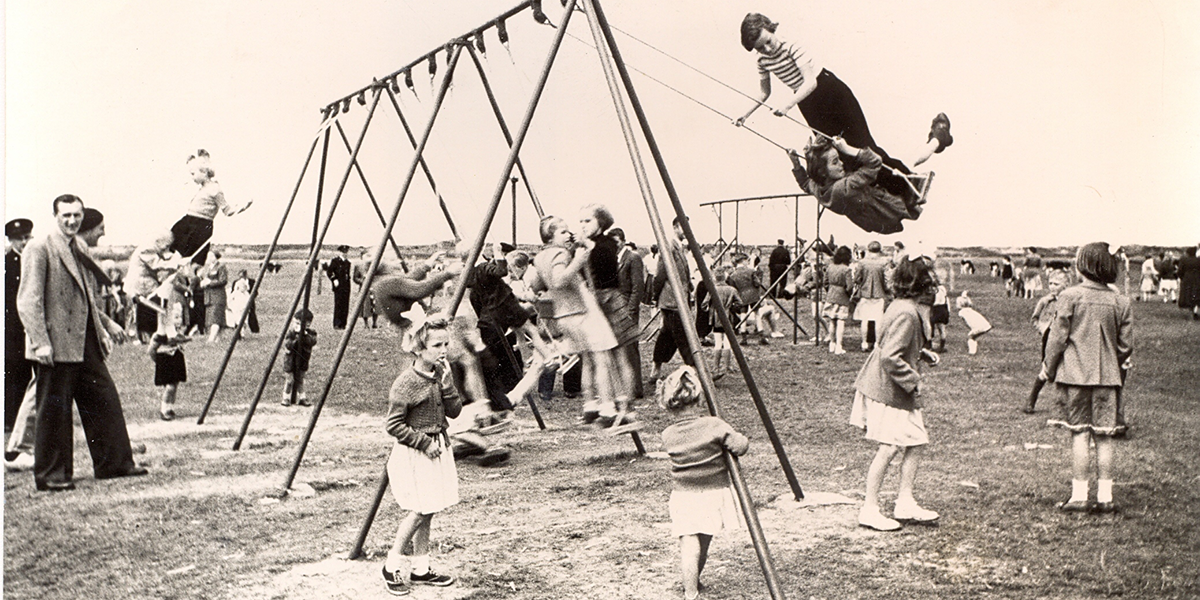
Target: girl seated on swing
point(874, 203)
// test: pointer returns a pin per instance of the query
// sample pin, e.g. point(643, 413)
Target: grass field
point(579, 514)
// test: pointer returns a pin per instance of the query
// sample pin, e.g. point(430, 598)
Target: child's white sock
point(972, 347)
point(1104, 490)
point(420, 564)
point(395, 560)
point(1079, 490)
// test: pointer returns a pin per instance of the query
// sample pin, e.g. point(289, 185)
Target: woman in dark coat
point(1188, 270)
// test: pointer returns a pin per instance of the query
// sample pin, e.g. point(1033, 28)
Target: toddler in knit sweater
point(702, 501)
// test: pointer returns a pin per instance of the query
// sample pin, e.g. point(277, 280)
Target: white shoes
point(871, 518)
point(911, 512)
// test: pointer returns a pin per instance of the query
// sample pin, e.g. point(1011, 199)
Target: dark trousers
point(671, 338)
point(501, 368)
point(87, 385)
point(341, 305)
point(833, 110)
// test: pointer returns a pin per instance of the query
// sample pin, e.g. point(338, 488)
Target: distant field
point(577, 514)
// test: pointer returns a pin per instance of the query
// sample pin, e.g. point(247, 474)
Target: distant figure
point(778, 264)
point(870, 282)
point(338, 272)
point(1043, 317)
point(213, 278)
point(297, 352)
point(977, 324)
point(1188, 270)
point(1149, 285)
point(18, 371)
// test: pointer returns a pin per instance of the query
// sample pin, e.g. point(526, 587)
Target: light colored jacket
point(870, 276)
point(1091, 336)
point(891, 374)
point(56, 296)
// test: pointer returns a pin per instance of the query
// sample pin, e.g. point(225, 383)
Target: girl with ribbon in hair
point(421, 467)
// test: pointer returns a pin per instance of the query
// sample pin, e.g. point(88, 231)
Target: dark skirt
point(190, 233)
point(939, 314)
point(169, 368)
point(616, 310)
point(147, 319)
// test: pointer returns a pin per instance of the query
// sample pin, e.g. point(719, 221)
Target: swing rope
point(747, 96)
point(682, 93)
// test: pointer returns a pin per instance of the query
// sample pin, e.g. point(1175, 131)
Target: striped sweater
point(785, 64)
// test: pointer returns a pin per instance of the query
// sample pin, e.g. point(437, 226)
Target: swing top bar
point(428, 55)
point(753, 198)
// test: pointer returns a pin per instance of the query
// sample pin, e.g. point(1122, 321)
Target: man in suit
point(69, 337)
point(338, 272)
point(18, 371)
point(631, 279)
point(777, 265)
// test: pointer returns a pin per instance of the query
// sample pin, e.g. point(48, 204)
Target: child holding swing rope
point(702, 502)
point(194, 229)
point(827, 104)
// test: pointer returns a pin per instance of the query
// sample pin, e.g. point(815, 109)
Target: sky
point(1074, 121)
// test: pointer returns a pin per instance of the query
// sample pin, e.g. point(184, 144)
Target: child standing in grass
point(297, 351)
point(886, 397)
point(977, 324)
point(702, 502)
point(1090, 343)
point(1043, 316)
point(727, 296)
point(421, 467)
point(170, 368)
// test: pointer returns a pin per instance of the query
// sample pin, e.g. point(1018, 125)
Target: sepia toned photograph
point(719, 300)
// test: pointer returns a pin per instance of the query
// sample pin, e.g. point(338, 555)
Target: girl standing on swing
point(195, 228)
point(827, 104)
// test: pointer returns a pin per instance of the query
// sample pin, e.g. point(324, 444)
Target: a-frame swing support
point(604, 40)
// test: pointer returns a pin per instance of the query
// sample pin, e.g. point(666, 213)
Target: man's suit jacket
point(631, 280)
point(53, 302)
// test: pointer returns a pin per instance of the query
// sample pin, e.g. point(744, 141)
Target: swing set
point(624, 97)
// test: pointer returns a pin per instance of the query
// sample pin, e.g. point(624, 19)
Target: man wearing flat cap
point(69, 337)
point(18, 371)
point(338, 272)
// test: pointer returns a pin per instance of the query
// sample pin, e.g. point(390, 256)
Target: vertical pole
point(601, 33)
point(307, 284)
point(370, 278)
point(818, 283)
point(308, 267)
point(262, 270)
point(477, 247)
point(514, 215)
point(795, 294)
point(487, 89)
